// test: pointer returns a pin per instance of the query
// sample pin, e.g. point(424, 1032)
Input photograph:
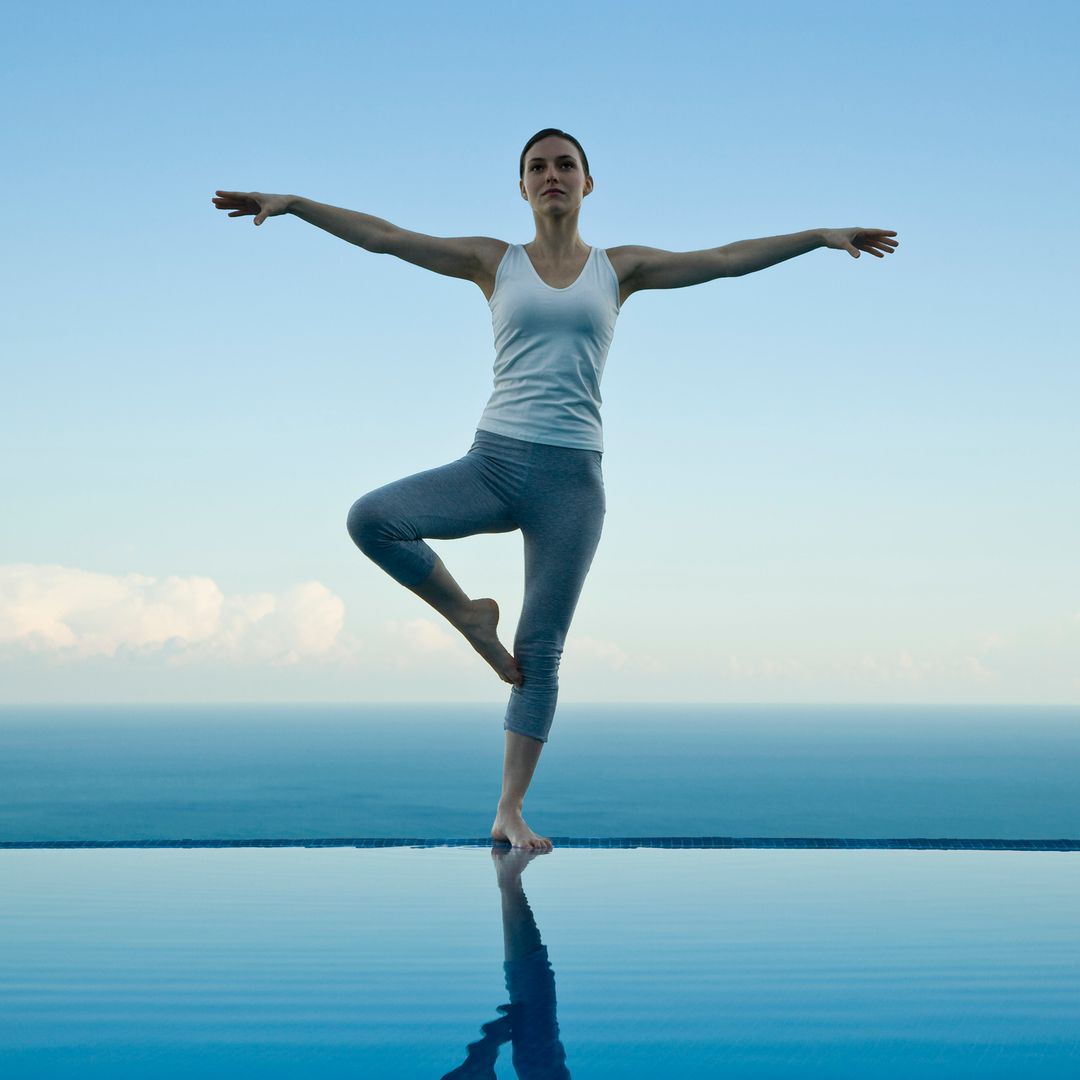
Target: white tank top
point(550, 349)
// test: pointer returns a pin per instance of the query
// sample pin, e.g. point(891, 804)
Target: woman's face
point(554, 163)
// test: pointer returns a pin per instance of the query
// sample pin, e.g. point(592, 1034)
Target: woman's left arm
point(746, 256)
point(653, 268)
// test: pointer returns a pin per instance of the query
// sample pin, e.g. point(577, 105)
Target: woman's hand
point(855, 240)
point(244, 203)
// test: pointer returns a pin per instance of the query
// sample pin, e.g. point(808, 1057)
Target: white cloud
point(904, 668)
point(78, 614)
point(423, 635)
point(762, 665)
point(596, 649)
point(57, 614)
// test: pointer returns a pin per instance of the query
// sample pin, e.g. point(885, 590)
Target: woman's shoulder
point(623, 260)
point(490, 252)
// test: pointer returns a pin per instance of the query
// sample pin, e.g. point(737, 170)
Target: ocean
point(625, 952)
point(206, 772)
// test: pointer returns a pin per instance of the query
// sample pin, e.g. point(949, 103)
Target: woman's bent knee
point(363, 521)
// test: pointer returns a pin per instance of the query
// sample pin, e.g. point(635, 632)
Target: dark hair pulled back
point(543, 135)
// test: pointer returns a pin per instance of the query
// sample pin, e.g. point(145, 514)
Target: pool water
point(468, 961)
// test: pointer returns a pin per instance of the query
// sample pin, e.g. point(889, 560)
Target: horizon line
point(486, 704)
point(671, 842)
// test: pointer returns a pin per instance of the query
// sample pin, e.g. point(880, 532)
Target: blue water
point(471, 962)
point(235, 772)
point(464, 962)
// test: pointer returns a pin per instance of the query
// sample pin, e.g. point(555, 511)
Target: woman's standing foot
point(510, 827)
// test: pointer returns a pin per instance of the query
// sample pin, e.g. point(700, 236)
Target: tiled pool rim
point(904, 843)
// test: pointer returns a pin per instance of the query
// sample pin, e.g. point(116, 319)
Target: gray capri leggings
point(553, 494)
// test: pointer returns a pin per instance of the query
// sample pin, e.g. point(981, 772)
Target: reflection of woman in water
point(529, 1023)
point(535, 463)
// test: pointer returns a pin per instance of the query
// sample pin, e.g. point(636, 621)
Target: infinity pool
point(472, 962)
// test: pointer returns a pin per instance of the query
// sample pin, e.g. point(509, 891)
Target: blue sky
point(831, 480)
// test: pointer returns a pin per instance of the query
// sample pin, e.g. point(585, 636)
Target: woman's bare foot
point(479, 627)
point(510, 827)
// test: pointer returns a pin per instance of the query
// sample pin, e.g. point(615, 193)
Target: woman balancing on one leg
point(535, 463)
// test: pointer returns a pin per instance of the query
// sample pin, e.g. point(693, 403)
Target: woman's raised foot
point(479, 625)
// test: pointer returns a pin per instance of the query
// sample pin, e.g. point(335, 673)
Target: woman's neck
point(557, 241)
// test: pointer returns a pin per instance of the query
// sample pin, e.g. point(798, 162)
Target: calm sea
point(139, 772)
point(454, 962)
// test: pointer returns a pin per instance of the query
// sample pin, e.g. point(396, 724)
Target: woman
point(535, 464)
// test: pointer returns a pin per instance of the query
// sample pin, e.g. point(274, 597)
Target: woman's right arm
point(361, 229)
point(473, 258)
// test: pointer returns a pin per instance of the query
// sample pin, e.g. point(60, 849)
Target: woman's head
point(547, 133)
point(554, 159)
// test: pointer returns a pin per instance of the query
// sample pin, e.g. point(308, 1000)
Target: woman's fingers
point(240, 205)
point(248, 203)
point(877, 241)
point(233, 198)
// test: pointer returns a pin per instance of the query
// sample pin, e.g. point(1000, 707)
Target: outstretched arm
point(363, 230)
point(470, 257)
point(653, 268)
point(360, 229)
point(746, 256)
